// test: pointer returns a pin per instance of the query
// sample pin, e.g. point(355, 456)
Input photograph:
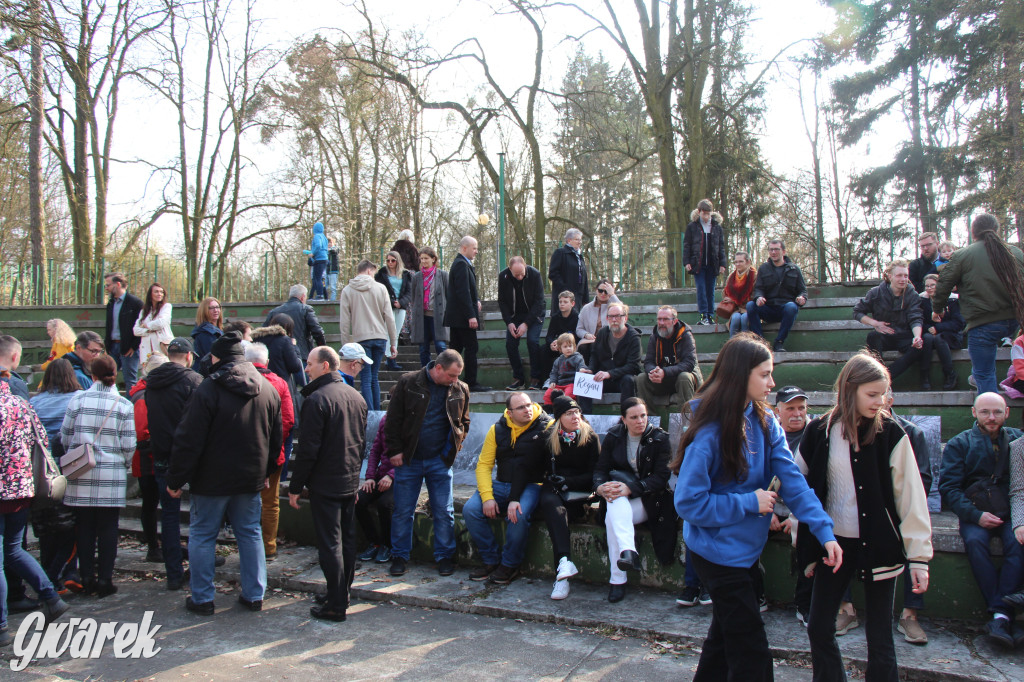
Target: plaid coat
point(104, 486)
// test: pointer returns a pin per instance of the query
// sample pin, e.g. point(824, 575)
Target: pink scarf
point(428, 279)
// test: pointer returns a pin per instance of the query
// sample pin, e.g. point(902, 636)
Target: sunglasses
point(603, 291)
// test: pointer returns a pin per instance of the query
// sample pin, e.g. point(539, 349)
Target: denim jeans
point(16, 559)
point(784, 314)
point(821, 626)
point(408, 479)
point(982, 342)
point(430, 335)
point(532, 346)
point(332, 286)
point(207, 516)
point(738, 323)
point(318, 290)
point(516, 534)
point(369, 384)
point(128, 364)
point(994, 583)
point(170, 530)
point(705, 283)
point(736, 647)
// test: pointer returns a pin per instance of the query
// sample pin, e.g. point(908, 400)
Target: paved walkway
point(956, 651)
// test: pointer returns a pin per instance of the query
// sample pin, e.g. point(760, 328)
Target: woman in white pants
point(632, 476)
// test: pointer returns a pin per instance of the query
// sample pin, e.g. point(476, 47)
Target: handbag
point(726, 307)
point(81, 459)
point(988, 495)
point(629, 478)
point(48, 482)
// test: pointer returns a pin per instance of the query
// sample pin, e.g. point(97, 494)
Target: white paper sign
point(585, 386)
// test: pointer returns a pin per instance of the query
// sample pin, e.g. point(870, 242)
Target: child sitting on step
point(563, 371)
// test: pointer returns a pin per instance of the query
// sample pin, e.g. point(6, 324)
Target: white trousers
point(623, 514)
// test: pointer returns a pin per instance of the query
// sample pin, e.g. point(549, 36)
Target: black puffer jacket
point(902, 312)
point(168, 388)
point(652, 469)
point(693, 245)
point(329, 452)
point(230, 435)
point(284, 360)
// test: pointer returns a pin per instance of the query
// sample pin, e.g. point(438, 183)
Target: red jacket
point(142, 460)
point(740, 292)
point(287, 407)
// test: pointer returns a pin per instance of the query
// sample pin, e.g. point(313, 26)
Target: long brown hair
point(862, 368)
point(985, 228)
point(150, 307)
point(723, 398)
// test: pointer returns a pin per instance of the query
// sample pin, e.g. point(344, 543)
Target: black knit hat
point(562, 403)
point(228, 347)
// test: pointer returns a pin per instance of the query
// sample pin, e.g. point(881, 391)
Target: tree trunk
point(35, 177)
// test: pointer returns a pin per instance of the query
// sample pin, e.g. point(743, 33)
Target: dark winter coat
point(568, 272)
point(203, 336)
point(332, 435)
point(462, 295)
point(776, 289)
point(168, 389)
point(408, 407)
point(675, 355)
point(307, 330)
point(951, 329)
point(626, 359)
point(230, 435)
point(902, 313)
point(529, 306)
point(284, 360)
point(575, 463)
point(693, 246)
point(404, 295)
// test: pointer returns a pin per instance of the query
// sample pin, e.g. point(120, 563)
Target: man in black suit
point(521, 300)
point(462, 316)
point(568, 271)
point(122, 312)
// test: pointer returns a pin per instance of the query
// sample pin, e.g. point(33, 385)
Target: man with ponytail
point(989, 276)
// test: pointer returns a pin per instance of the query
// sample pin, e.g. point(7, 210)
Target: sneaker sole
point(908, 638)
point(851, 626)
point(566, 576)
point(681, 602)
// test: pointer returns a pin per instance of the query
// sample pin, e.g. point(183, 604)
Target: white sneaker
point(560, 590)
point(547, 384)
point(566, 569)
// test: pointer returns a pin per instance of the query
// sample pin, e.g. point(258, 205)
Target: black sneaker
point(445, 566)
point(516, 385)
point(503, 575)
point(398, 566)
point(1000, 630)
point(777, 347)
point(203, 609)
point(370, 554)
point(383, 554)
point(704, 597)
point(173, 585)
point(690, 596)
point(254, 605)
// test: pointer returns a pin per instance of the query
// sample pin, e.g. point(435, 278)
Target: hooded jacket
point(779, 288)
point(903, 313)
point(229, 435)
point(694, 244)
point(366, 312)
point(81, 373)
point(332, 435)
point(505, 444)
point(283, 355)
point(168, 388)
point(318, 249)
point(675, 355)
point(203, 336)
point(951, 329)
point(626, 358)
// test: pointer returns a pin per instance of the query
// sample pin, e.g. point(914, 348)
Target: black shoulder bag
point(988, 495)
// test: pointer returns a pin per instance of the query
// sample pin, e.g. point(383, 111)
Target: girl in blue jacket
point(726, 459)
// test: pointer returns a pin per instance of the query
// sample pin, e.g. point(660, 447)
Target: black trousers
point(464, 341)
point(736, 648)
point(826, 595)
point(96, 535)
point(335, 528)
point(902, 341)
point(557, 515)
point(150, 505)
point(384, 502)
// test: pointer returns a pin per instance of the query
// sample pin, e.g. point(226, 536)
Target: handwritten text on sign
point(585, 386)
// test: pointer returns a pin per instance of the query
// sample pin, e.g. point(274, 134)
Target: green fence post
point(156, 269)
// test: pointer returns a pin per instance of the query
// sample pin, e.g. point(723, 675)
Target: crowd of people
point(227, 411)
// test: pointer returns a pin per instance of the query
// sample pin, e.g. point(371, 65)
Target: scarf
point(568, 437)
point(428, 279)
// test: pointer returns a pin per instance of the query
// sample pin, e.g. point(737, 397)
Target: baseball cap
point(353, 351)
point(787, 393)
point(180, 344)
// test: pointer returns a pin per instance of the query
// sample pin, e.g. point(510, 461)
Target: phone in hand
point(774, 485)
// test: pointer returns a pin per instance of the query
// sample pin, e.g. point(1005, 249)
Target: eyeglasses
point(392, 260)
point(96, 351)
point(213, 307)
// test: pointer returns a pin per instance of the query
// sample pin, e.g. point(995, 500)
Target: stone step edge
point(295, 583)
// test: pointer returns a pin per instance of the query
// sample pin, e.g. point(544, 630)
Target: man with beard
point(670, 367)
point(616, 354)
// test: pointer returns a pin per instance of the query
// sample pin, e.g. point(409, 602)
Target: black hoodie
point(231, 426)
point(168, 388)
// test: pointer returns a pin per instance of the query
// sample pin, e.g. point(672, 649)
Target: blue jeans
point(532, 346)
point(128, 364)
point(369, 384)
point(786, 314)
point(516, 534)
point(319, 270)
point(738, 323)
point(207, 516)
point(16, 559)
point(994, 583)
point(332, 286)
point(982, 342)
point(408, 479)
point(705, 283)
point(430, 335)
point(170, 530)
